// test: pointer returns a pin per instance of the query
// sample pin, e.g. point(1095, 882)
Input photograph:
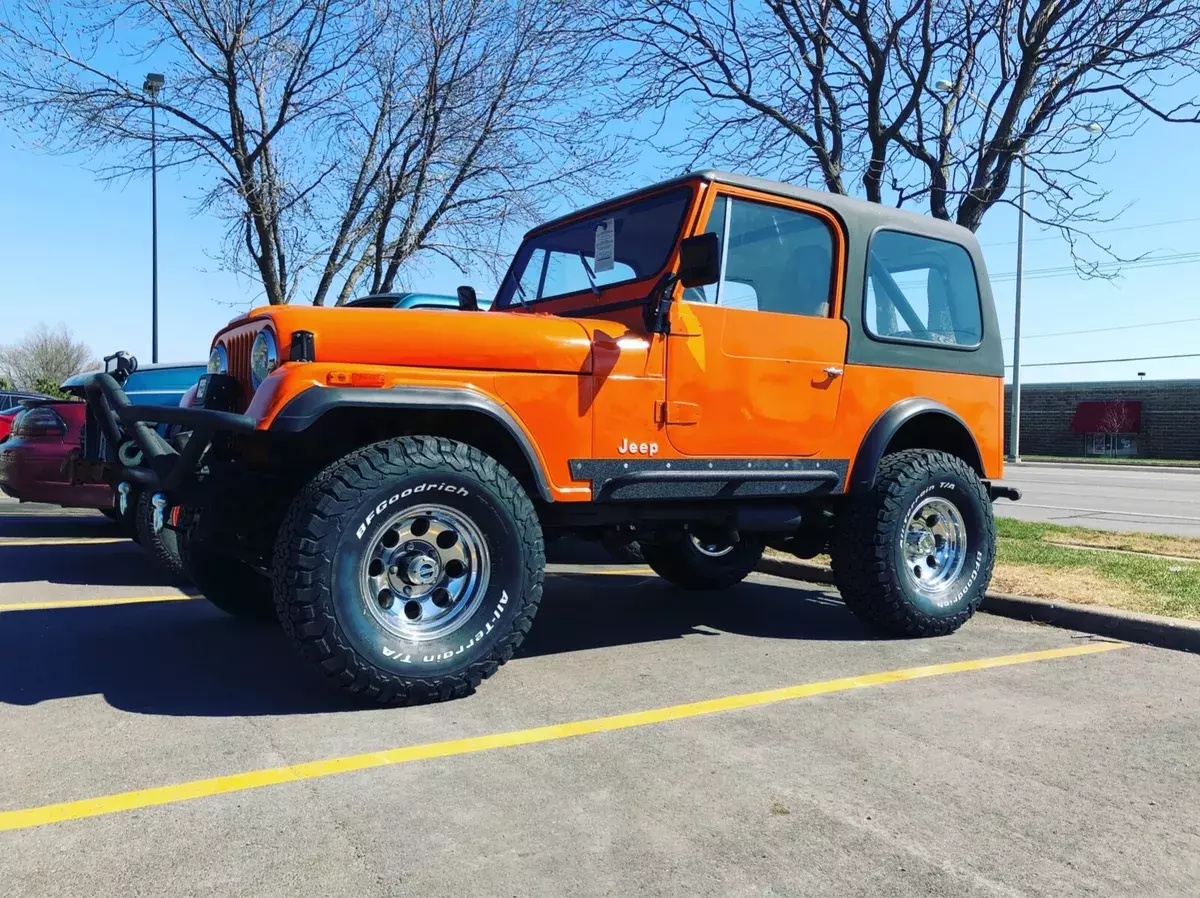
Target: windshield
point(621, 244)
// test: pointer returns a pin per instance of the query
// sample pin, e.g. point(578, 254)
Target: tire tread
point(863, 543)
point(308, 539)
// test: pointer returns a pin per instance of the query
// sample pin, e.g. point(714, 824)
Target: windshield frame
point(510, 285)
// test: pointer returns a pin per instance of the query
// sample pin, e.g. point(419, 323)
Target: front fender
point(306, 408)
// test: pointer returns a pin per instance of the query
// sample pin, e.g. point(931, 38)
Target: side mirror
point(700, 260)
point(467, 301)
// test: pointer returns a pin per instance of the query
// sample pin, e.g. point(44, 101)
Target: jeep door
point(754, 362)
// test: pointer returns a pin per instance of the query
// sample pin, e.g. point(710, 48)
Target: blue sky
point(76, 250)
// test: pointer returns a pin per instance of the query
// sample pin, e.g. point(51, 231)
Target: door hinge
point(670, 412)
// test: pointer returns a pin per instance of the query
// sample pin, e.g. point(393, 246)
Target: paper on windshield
point(605, 245)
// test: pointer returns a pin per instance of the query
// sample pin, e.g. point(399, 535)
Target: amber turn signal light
point(353, 379)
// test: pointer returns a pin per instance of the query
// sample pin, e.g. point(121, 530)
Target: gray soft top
point(854, 212)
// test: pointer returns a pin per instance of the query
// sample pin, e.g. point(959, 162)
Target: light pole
point(1092, 128)
point(150, 87)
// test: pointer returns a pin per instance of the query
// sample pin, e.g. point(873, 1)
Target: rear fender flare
point(887, 425)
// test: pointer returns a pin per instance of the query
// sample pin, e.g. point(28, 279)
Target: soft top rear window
point(619, 245)
point(921, 289)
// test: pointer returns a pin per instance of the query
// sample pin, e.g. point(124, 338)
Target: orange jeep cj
point(694, 371)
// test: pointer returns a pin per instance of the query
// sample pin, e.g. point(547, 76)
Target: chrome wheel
point(710, 547)
point(935, 545)
point(425, 572)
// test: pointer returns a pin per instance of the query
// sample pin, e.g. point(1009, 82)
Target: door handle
point(832, 371)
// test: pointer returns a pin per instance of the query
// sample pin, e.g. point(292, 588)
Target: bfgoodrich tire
point(229, 583)
point(410, 570)
point(913, 556)
point(698, 560)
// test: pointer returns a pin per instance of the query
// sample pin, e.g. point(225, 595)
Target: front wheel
point(700, 559)
point(410, 570)
point(913, 556)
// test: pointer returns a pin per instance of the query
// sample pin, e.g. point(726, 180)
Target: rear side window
point(921, 289)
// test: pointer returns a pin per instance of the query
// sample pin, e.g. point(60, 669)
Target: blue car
point(163, 384)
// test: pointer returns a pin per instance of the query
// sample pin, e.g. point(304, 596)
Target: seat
point(807, 274)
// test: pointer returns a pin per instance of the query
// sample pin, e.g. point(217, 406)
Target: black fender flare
point(306, 408)
point(888, 424)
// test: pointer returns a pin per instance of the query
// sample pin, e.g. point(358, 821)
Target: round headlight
point(218, 360)
point(264, 357)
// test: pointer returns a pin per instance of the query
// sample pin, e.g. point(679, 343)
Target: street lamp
point(1093, 128)
point(150, 87)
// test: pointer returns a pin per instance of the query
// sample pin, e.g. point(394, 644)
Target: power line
point(1114, 266)
point(1138, 358)
point(1100, 330)
point(1137, 227)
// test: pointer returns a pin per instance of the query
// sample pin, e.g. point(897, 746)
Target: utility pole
point(152, 85)
point(1015, 438)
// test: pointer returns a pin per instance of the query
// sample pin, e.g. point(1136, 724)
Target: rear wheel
point(228, 582)
point(410, 570)
point(704, 559)
point(913, 556)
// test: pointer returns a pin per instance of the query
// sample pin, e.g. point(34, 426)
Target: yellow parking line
point(65, 541)
point(256, 779)
point(92, 603)
point(607, 571)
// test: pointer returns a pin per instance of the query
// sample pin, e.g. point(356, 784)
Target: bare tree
point(1114, 421)
point(44, 359)
point(342, 137)
point(842, 94)
point(479, 116)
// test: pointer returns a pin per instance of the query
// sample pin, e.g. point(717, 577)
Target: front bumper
point(164, 468)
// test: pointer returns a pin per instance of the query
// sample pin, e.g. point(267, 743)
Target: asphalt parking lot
point(645, 742)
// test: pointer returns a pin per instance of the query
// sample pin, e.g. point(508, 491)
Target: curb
point(1093, 465)
point(1128, 626)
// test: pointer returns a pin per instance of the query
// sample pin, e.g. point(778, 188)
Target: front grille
point(237, 345)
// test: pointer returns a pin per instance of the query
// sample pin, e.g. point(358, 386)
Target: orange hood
point(435, 338)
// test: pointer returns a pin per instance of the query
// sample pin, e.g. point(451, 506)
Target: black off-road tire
point(162, 546)
point(229, 583)
point(868, 545)
point(678, 560)
point(111, 513)
point(326, 537)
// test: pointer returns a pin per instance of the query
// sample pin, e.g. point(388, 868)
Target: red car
point(6, 420)
point(33, 454)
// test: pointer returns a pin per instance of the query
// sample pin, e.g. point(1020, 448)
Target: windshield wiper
point(520, 292)
point(588, 271)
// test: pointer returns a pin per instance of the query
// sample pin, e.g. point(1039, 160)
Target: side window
point(778, 260)
point(919, 288)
